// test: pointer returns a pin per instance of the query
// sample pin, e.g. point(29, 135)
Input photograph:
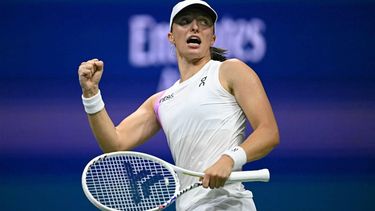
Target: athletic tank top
point(201, 120)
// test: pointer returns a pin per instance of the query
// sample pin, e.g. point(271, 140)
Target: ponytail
point(218, 54)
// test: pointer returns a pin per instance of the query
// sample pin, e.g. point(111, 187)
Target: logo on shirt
point(203, 81)
point(165, 98)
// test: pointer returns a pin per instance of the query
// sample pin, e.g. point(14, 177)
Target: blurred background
point(316, 60)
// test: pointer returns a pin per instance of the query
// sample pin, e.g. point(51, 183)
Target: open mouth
point(193, 40)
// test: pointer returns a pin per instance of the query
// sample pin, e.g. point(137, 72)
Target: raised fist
point(90, 73)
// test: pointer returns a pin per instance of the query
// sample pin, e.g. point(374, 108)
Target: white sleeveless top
point(201, 120)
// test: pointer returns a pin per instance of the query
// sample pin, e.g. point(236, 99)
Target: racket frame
point(261, 175)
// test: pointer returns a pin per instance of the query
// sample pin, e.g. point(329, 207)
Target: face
point(192, 33)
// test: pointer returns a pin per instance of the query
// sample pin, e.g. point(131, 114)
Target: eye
point(205, 21)
point(184, 20)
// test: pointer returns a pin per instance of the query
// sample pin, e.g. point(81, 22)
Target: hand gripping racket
point(136, 181)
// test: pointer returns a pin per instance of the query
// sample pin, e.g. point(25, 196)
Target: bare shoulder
point(152, 100)
point(235, 65)
point(234, 70)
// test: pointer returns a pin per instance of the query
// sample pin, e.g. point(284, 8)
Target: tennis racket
point(136, 181)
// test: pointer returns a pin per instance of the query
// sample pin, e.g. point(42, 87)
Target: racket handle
point(262, 175)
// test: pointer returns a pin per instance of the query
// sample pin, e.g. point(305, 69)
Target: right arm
point(132, 131)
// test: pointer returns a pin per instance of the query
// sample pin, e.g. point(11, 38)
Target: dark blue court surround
point(316, 61)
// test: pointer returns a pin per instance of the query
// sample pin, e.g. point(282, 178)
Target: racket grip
point(262, 175)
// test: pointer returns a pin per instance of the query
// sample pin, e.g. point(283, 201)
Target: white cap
point(186, 3)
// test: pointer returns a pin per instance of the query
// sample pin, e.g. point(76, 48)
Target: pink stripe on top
point(157, 104)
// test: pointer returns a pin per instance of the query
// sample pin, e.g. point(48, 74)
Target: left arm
point(240, 80)
point(243, 83)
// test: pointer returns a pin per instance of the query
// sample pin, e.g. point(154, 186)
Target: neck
point(188, 68)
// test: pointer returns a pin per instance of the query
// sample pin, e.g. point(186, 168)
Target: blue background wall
point(316, 61)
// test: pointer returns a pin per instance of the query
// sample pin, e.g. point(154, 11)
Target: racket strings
point(130, 183)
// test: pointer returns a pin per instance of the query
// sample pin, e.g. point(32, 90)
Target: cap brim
point(209, 11)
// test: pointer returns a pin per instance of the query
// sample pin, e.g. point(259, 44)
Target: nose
point(194, 26)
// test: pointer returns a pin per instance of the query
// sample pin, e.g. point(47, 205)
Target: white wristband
point(238, 155)
point(93, 104)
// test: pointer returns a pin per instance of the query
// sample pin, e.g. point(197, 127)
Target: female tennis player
point(203, 114)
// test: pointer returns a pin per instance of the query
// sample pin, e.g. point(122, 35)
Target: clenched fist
point(90, 73)
point(216, 175)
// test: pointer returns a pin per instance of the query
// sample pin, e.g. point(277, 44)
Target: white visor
point(184, 4)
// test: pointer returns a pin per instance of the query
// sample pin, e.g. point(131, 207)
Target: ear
point(213, 40)
point(171, 38)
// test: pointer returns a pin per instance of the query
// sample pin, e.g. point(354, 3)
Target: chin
point(193, 54)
